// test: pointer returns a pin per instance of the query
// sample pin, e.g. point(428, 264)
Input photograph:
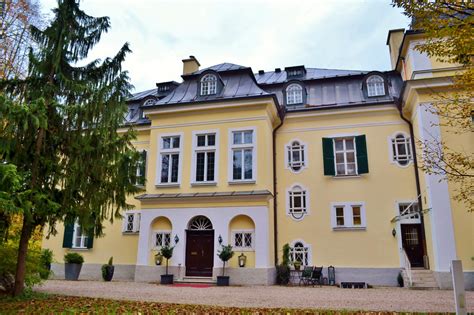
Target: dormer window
point(375, 86)
point(209, 84)
point(294, 94)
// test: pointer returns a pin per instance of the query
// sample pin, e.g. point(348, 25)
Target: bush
point(73, 258)
point(283, 274)
point(46, 259)
point(400, 280)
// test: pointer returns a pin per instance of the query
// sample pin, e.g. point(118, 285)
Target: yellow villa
point(323, 160)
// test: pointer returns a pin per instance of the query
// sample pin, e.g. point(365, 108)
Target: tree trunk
point(223, 269)
point(21, 260)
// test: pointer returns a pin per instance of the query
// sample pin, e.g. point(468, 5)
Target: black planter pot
point(109, 273)
point(222, 281)
point(166, 279)
point(72, 271)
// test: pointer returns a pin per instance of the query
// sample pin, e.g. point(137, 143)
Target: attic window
point(209, 84)
point(163, 88)
point(295, 73)
point(375, 86)
point(294, 94)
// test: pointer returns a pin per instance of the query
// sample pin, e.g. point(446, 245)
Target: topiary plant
point(283, 270)
point(108, 270)
point(225, 254)
point(46, 258)
point(73, 258)
point(167, 252)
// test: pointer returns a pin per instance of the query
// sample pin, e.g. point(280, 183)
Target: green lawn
point(57, 304)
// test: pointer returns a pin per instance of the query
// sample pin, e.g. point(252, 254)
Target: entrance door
point(411, 239)
point(199, 253)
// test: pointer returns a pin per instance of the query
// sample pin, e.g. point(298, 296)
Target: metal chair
point(306, 275)
point(316, 276)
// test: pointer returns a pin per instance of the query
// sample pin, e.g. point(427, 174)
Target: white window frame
point(138, 168)
point(289, 163)
point(215, 148)
point(345, 151)
point(307, 249)
point(290, 194)
point(375, 88)
point(394, 156)
point(208, 87)
point(294, 94)
point(136, 222)
point(84, 238)
point(153, 238)
point(243, 248)
point(232, 147)
point(348, 215)
point(162, 152)
point(408, 219)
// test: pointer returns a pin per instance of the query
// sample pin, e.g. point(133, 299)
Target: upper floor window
point(300, 252)
point(345, 156)
point(209, 84)
point(131, 222)
point(348, 215)
point(294, 94)
point(401, 149)
point(297, 202)
point(169, 159)
point(205, 157)
point(296, 156)
point(80, 237)
point(243, 151)
point(375, 86)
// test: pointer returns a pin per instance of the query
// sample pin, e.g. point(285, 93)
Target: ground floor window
point(243, 240)
point(300, 252)
point(162, 238)
point(80, 237)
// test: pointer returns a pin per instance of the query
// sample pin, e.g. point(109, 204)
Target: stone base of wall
point(248, 276)
point(153, 273)
point(445, 280)
point(371, 276)
point(93, 272)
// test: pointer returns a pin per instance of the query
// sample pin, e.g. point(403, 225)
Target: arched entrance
point(199, 247)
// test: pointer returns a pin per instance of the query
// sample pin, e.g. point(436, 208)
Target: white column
point(144, 237)
point(179, 225)
point(444, 245)
point(262, 243)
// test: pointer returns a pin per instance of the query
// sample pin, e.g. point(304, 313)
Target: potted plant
point(46, 259)
point(224, 254)
point(283, 269)
point(108, 270)
point(297, 264)
point(73, 265)
point(167, 253)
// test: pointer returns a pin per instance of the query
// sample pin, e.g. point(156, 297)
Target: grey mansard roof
point(273, 77)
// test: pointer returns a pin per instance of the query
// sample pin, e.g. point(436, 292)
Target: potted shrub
point(73, 265)
point(224, 254)
point(167, 253)
point(283, 269)
point(108, 270)
point(46, 259)
point(297, 264)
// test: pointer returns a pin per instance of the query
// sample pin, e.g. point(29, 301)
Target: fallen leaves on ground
point(57, 304)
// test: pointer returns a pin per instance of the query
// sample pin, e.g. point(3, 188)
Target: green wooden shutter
point(362, 160)
point(141, 180)
point(90, 239)
point(68, 232)
point(328, 157)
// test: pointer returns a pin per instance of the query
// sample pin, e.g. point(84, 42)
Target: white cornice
point(341, 111)
point(374, 124)
point(211, 122)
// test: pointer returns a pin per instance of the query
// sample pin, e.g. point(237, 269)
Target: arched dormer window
point(209, 84)
point(294, 94)
point(375, 86)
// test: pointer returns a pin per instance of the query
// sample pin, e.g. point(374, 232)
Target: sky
point(261, 34)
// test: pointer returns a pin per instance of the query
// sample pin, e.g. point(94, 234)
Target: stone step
point(201, 280)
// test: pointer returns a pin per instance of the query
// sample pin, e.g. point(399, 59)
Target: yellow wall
point(380, 189)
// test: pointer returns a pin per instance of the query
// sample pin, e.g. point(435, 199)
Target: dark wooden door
point(412, 243)
point(199, 253)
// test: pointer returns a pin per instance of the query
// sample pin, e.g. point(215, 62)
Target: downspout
point(281, 114)
point(417, 177)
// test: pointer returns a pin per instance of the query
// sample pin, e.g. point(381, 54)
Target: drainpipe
point(281, 114)
point(417, 177)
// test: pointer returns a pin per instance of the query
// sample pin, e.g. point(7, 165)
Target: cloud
point(261, 34)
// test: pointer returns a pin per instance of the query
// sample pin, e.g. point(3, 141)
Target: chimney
point(190, 65)
point(394, 41)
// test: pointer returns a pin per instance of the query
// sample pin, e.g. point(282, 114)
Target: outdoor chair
point(306, 275)
point(316, 276)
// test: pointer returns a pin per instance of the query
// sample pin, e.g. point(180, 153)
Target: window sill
point(349, 228)
point(346, 176)
point(204, 184)
point(79, 249)
point(243, 249)
point(166, 185)
point(243, 182)
point(130, 233)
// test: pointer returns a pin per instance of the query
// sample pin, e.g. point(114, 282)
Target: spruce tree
point(59, 128)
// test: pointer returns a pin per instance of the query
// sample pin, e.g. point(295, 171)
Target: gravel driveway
point(378, 299)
